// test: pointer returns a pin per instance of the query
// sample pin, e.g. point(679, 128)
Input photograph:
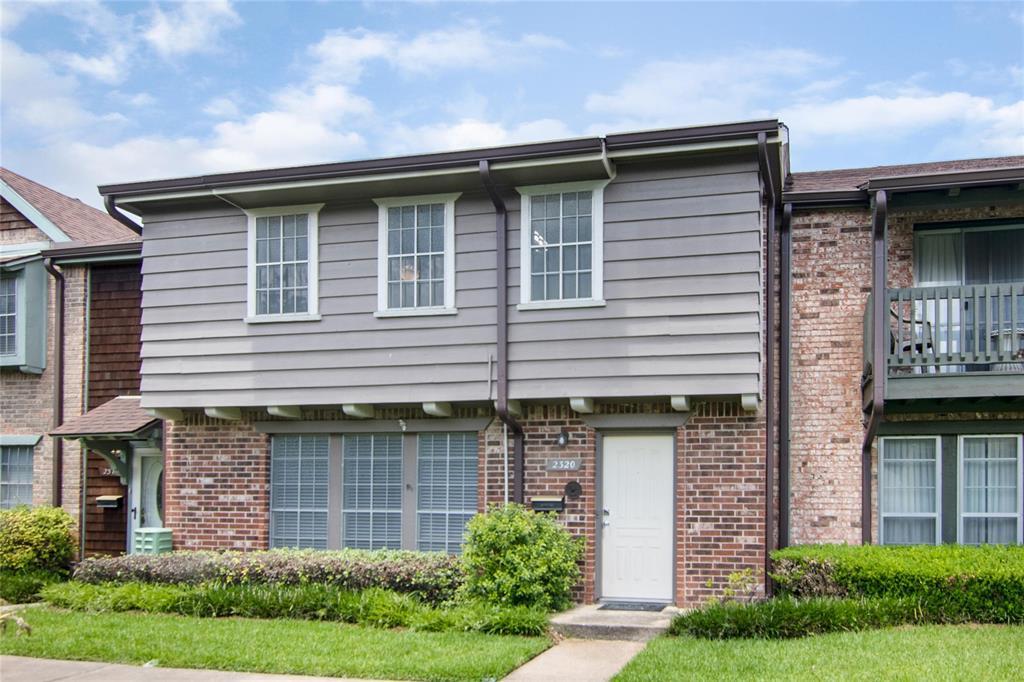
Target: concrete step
point(591, 622)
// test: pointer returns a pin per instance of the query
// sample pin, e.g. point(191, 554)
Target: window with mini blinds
point(373, 491)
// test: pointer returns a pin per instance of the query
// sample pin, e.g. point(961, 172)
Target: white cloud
point(714, 89)
point(108, 68)
point(342, 55)
point(468, 133)
point(222, 107)
point(190, 27)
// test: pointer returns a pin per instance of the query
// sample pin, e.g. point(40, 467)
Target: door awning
point(121, 418)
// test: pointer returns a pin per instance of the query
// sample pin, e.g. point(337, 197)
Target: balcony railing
point(976, 330)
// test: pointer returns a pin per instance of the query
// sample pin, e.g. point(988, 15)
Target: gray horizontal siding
point(682, 285)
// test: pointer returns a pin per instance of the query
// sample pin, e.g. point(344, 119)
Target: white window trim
point(596, 237)
point(312, 313)
point(960, 514)
point(383, 204)
point(937, 515)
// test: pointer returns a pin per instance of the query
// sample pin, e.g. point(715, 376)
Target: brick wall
point(831, 281)
point(26, 400)
point(216, 484)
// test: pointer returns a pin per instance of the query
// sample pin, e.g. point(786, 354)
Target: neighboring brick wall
point(115, 334)
point(26, 400)
point(831, 282)
point(216, 484)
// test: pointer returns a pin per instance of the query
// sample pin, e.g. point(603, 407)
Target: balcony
point(950, 346)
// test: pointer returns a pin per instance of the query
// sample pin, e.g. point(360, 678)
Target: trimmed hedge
point(516, 557)
point(373, 607)
point(786, 618)
point(433, 577)
point(36, 538)
point(952, 583)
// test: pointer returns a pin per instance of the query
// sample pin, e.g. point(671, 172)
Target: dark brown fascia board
point(94, 251)
point(444, 160)
point(825, 199)
point(911, 183)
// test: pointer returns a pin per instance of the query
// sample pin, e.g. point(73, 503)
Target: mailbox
point(548, 503)
point(109, 501)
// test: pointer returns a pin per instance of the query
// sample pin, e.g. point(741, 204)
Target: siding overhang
point(545, 162)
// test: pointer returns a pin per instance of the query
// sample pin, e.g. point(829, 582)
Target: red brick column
point(720, 500)
point(217, 484)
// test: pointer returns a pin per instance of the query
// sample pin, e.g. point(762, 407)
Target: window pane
point(909, 531)
point(446, 489)
point(537, 288)
point(437, 238)
point(408, 217)
point(298, 491)
point(586, 201)
point(584, 229)
point(394, 218)
point(569, 204)
point(552, 287)
point(991, 531)
point(537, 232)
point(538, 207)
point(8, 315)
point(372, 491)
point(583, 290)
point(569, 286)
point(437, 214)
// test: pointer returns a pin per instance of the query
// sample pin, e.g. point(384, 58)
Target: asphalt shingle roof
point(122, 415)
point(843, 179)
point(81, 222)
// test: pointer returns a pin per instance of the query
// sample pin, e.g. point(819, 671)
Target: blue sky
point(103, 92)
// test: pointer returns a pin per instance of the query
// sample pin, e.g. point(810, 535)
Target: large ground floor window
point(373, 491)
point(966, 489)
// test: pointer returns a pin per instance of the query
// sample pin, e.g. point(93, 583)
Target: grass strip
point(271, 646)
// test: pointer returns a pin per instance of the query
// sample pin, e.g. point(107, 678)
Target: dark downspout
point(879, 326)
point(501, 247)
point(785, 368)
point(116, 214)
point(769, 354)
point(58, 381)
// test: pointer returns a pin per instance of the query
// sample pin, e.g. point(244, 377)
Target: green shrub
point(516, 557)
point(431, 576)
point(23, 587)
point(36, 538)
point(785, 617)
point(952, 583)
point(373, 607)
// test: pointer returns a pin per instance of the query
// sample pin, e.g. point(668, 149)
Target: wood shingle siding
point(682, 273)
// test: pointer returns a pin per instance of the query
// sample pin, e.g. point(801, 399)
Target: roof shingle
point(843, 179)
point(81, 222)
point(121, 416)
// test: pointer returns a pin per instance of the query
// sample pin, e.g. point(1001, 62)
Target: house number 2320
point(563, 464)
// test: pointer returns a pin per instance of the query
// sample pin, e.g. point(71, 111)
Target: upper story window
point(8, 315)
point(23, 312)
point(416, 259)
point(562, 245)
point(283, 263)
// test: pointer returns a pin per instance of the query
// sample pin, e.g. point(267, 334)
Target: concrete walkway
point(21, 669)
point(579, 660)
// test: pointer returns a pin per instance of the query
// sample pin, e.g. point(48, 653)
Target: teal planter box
point(152, 540)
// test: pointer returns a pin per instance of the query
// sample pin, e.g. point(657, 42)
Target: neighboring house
point(931, 379)
point(69, 341)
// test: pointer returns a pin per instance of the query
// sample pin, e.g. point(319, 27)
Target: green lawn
point(278, 646)
point(933, 653)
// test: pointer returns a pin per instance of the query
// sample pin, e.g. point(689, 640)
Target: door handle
point(133, 513)
point(606, 514)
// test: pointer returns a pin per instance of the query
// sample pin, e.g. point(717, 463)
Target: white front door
point(145, 491)
point(636, 516)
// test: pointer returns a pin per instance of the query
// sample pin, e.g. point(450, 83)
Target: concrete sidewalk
point(21, 669)
point(578, 660)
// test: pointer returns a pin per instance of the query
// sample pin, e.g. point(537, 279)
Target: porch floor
point(591, 622)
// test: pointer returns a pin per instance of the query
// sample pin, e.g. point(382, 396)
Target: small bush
point(36, 538)
point(23, 587)
point(516, 557)
point(431, 576)
point(952, 583)
point(785, 617)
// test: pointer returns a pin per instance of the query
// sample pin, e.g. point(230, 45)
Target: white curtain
point(939, 258)
point(989, 490)
point(909, 486)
